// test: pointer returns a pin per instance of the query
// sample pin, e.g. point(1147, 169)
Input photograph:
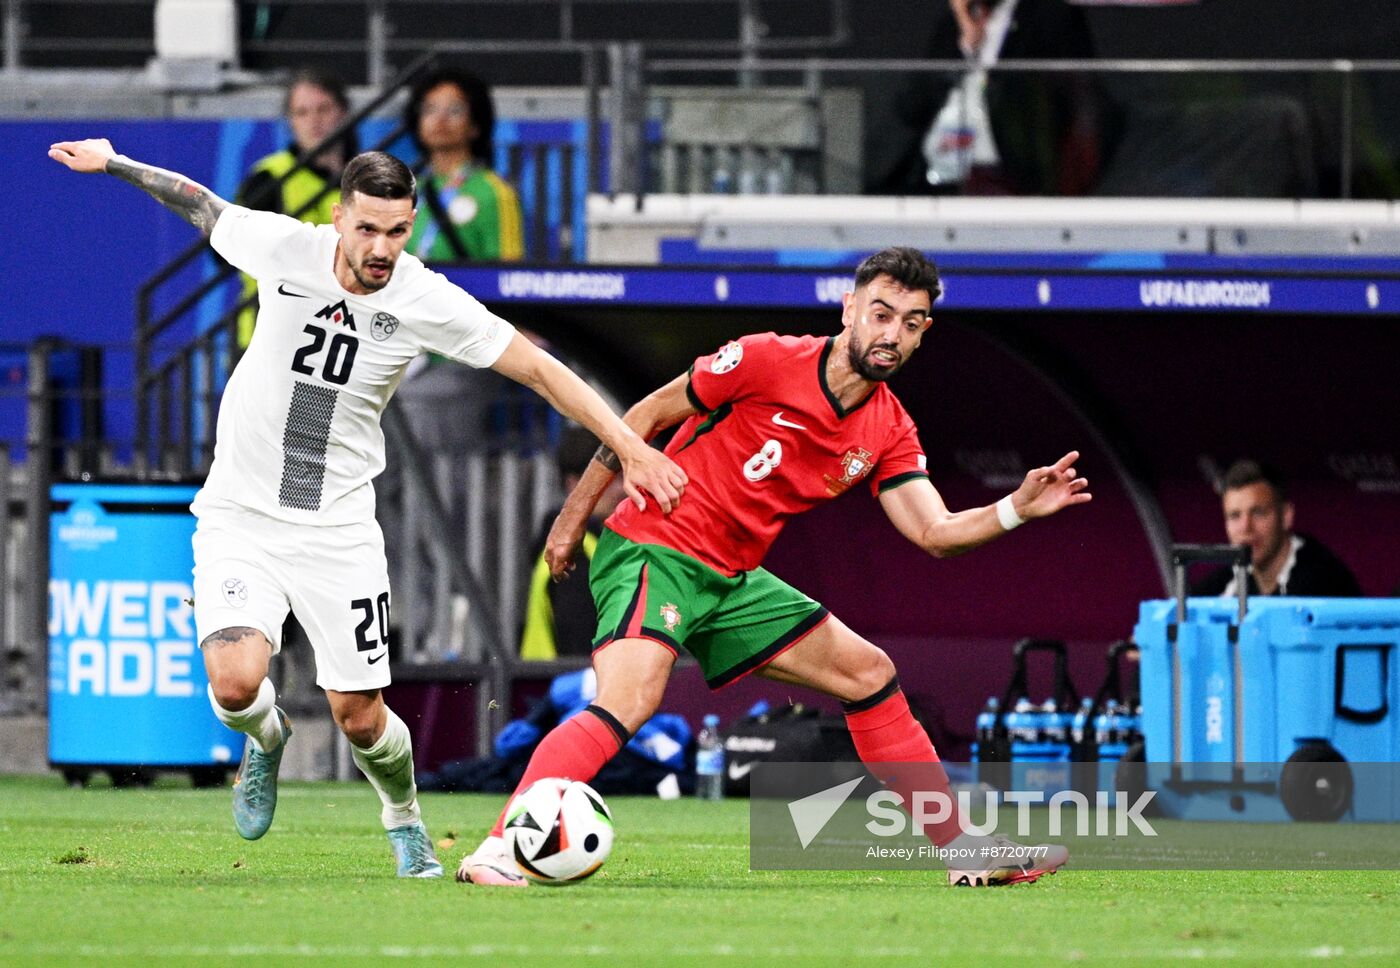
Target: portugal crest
point(671, 615)
point(854, 465)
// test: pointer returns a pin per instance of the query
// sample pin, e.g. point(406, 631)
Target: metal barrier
point(458, 530)
point(381, 37)
point(24, 531)
point(814, 72)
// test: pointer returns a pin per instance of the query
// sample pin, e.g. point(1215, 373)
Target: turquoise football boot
point(413, 851)
point(255, 786)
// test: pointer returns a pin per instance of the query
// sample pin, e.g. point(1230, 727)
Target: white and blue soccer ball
point(559, 831)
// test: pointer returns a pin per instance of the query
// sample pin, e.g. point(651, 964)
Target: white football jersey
point(298, 435)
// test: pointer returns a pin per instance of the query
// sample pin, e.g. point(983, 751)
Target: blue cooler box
point(1295, 673)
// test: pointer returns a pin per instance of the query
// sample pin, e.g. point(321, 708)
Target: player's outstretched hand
point(1049, 489)
point(649, 471)
point(91, 155)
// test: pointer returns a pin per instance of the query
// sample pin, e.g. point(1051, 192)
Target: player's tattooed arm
point(186, 198)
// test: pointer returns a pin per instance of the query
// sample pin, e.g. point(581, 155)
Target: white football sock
point(388, 765)
point(260, 720)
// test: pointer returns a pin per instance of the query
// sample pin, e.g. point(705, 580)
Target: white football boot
point(491, 865)
point(1008, 862)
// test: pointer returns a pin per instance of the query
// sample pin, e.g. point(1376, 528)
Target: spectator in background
point(1259, 514)
point(315, 105)
point(1047, 129)
point(466, 211)
point(560, 617)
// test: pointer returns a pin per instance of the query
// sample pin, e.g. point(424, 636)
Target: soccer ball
point(558, 831)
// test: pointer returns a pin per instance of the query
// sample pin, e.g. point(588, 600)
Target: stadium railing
point(386, 28)
point(814, 73)
point(457, 528)
point(50, 417)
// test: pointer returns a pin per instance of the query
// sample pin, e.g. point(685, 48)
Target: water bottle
point(722, 180)
point(1132, 726)
point(1022, 723)
point(1052, 728)
point(1081, 730)
point(1106, 724)
point(709, 761)
point(1118, 718)
point(777, 179)
point(986, 727)
point(748, 172)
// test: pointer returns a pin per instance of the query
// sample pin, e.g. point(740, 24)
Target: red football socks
point(575, 749)
point(886, 733)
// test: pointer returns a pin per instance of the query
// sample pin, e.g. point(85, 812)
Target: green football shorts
point(731, 625)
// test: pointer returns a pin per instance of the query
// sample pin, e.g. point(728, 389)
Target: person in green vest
point(316, 104)
point(560, 617)
point(467, 212)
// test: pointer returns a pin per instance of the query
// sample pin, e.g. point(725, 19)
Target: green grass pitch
point(152, 877)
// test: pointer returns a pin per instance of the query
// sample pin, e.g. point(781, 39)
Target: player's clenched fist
point(565, 537)
point(91, 155)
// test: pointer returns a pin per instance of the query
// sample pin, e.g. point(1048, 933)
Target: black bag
point(794, 734)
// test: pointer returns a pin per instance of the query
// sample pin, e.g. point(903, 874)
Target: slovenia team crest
point(235, 592)
point(383, 326)
point(727, 358)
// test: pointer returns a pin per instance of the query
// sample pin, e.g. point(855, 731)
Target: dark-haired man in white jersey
point(286, 517)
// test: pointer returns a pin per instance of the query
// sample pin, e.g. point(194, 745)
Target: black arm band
point(605, 456)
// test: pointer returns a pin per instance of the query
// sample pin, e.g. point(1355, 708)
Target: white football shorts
point(249, 570)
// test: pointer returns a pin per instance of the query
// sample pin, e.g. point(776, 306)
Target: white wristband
point(1006, 514)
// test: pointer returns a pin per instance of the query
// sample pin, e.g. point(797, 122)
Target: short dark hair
point(478, 96)
point(378, 174)
point(1243, 473)
point(908, 267)
point(332, 84)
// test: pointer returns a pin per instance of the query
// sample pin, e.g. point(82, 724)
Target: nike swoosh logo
point(375, 658)
point(737, 771)
point(282, 288)
point(778, 419)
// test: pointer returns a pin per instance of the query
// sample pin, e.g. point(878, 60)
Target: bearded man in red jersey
point(773, 426)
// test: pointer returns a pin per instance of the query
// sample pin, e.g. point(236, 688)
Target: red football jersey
point(770, 441)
